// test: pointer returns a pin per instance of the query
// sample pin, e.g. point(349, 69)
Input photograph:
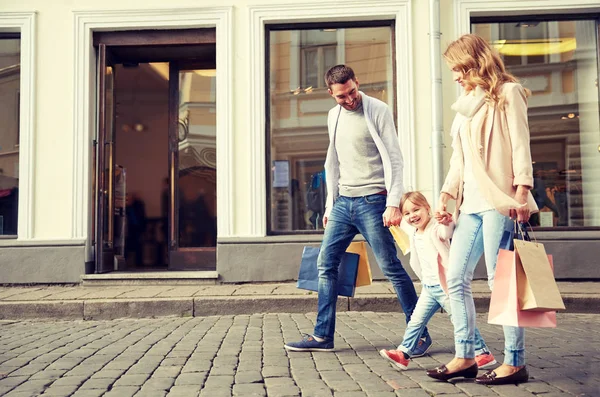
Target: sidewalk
point(135, 301)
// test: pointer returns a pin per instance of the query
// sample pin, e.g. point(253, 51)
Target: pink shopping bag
point(504, 303)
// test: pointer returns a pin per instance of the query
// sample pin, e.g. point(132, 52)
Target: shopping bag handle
point(523, 232)
point(520, 231)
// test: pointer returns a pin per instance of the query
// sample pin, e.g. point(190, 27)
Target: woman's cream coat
point(499, 141)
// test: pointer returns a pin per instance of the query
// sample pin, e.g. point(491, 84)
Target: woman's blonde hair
point(481, 65)
point(416, 198)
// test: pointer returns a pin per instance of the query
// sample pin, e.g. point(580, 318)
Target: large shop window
point(298, 103)
point(557, 59)
point(10, 78)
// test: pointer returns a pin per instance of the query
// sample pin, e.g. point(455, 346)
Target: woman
point(490, 177)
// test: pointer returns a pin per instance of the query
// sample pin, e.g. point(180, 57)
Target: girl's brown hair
point(416, 198)
point(480, 64)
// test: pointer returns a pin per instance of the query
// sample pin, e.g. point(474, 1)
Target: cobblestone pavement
point(243, 356)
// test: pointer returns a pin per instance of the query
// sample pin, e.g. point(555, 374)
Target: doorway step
point(151, 278)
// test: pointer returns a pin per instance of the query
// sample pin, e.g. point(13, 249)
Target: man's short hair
point(339, 74)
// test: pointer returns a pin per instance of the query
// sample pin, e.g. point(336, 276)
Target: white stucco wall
point(53, 178)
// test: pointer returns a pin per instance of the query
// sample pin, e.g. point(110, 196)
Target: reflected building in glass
point(558, 61)
point(299, 103)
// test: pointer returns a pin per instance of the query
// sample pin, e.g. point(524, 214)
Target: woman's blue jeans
point(475, 235)
point(431, 300)
point(350, 216)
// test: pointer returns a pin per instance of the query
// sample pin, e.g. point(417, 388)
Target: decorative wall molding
point(84, 123)
point(25, 23)
point(325, 11)
point(465, 9)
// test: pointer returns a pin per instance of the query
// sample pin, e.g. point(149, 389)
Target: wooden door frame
point(103, 211)
point(153, 37)
point(139, 38)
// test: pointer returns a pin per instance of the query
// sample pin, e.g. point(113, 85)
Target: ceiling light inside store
point(527, 24)
point(535, 47)
point(569, 116)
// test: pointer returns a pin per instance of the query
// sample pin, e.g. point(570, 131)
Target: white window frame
point(25, 24)
point(84, 120)
point(464, 10)
point(349, 11)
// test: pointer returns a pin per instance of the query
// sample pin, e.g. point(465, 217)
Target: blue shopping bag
point(308, 277)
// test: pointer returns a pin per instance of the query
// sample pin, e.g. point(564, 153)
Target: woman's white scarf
point(468, 105)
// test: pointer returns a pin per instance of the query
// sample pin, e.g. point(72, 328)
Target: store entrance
point(155, 152)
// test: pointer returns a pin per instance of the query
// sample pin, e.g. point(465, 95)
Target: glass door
point(192, 166)
point(104, 228)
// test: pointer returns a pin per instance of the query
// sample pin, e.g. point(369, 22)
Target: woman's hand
point(440, 214)
point(522, 213)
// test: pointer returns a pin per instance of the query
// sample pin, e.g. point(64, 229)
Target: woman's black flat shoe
point(490, 378)
point(441, 373)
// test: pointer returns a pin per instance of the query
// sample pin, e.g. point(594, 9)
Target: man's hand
point(325, 222)
point(392, 216)
point(522, 213)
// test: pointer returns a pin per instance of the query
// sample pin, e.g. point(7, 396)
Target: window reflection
point(197, 159)
point(557, 61)
point(299, 102)
point(10, 79)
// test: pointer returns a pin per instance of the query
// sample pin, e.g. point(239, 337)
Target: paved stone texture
point(243, 355)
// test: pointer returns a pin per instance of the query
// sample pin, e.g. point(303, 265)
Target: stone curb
point(110, 309)
point(64, 310)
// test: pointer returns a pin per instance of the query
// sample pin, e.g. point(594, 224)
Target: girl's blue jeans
point(476, 235)
point(350, 216)
point(431, 299)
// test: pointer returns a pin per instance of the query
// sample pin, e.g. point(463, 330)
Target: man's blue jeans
point(350, 216)
point(432, 299)
point(475, 235)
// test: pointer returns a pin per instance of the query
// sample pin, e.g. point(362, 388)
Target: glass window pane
point(558, 62)
point(10, 79)
point(299, 103)
point(197, 159)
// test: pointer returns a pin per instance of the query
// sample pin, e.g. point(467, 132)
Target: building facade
point(139, 137)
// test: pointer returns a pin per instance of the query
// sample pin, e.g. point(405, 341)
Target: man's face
point(346, 94)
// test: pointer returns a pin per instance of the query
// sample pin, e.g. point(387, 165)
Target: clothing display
point(9, 211)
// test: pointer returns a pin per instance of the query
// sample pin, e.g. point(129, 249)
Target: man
point(363, 172)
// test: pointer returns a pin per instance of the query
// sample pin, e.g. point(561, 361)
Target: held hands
point(392, 216)
point(522, 213)
point(444, 218)
point(440, 214)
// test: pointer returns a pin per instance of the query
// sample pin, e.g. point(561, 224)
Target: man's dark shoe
point(423, 347)
point(490, 378)
point(441, 373)
point(310, 344)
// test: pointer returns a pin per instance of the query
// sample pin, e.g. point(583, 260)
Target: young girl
point(430, 245)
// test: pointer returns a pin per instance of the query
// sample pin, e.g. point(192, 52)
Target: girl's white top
point(428, 256)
